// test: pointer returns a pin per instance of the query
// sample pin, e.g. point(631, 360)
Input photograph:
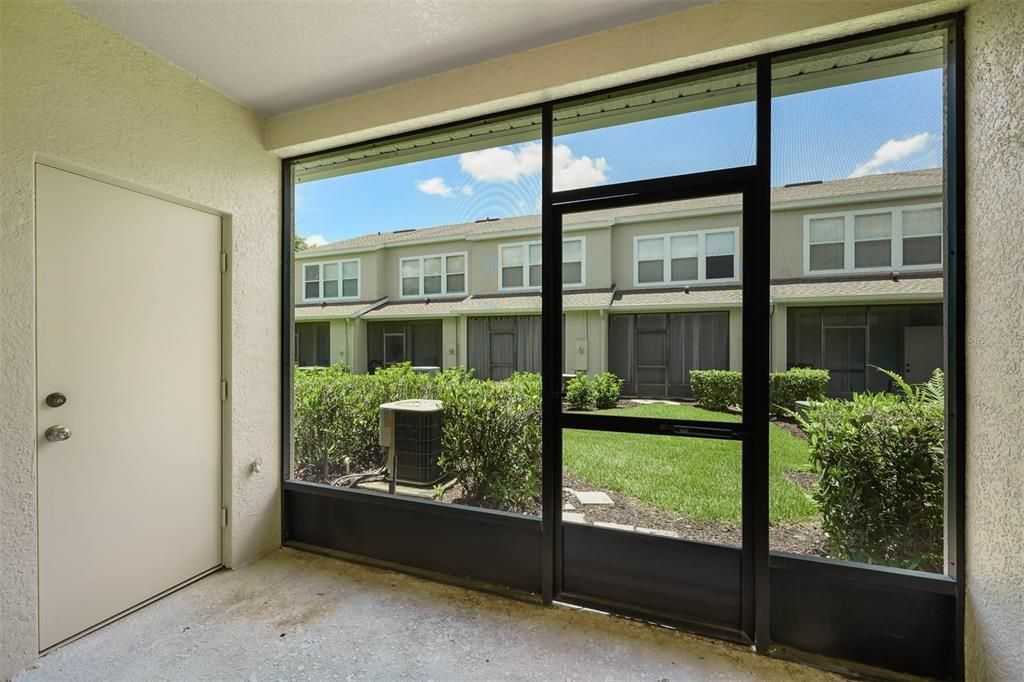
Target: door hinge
point(223, 517)
point(223, 262)
point(223, 389)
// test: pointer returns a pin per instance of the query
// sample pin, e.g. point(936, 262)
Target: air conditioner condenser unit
point(411, 430)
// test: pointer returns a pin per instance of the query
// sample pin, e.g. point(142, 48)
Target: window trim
point(896, 240)
point(444, 275)
point(341, 279)
point(582, 239)
point(702, 256)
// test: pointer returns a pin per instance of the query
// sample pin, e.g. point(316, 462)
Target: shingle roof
point(906, 288)
point(678, 298)
point(442, 307)
point(531, 302)
point(836, 290)
point(837, 190)
point(333, 310)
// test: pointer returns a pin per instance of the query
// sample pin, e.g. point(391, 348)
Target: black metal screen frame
point(774, 574)
point(751, 432)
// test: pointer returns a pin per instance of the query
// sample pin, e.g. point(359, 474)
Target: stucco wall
point(995, 340)
point(74, 90)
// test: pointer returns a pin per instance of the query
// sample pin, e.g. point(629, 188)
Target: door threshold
point(656, 618)
point(130, 610)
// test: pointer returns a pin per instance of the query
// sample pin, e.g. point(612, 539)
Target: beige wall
point(449, 342)
point(357, 345)
point(779, 340)
point(586, 334)
point(995, 341)
point(736, 339)
point(339, 341)
point(483, 263)
point(78, 92)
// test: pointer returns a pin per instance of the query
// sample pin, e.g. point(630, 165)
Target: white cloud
point(891, 152)
point(434, 186)
point(315, 240)
point(577, 171)
point(467, 190)
point(503, 164)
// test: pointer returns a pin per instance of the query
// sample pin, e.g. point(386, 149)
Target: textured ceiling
point(282, 55)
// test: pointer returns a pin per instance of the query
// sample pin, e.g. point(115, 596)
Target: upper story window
point(685, 257)
point(433, 275)
point(873, 240)
point(521, 264)
point(330, 280)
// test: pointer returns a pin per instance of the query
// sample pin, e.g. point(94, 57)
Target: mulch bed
point(805, 538)
point(790, 427)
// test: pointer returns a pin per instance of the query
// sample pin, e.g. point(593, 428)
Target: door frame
point(752, 433)
point(226, 249)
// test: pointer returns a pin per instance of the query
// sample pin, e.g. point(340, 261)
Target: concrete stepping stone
point(613, 526)
point(568, 507)
point(573, 517)
point(593, 497)
point(659, 533)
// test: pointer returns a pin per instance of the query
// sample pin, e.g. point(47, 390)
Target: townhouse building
point(649, 292)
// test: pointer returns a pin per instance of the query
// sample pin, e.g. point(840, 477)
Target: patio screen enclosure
point(653, 353)
point(778, 602)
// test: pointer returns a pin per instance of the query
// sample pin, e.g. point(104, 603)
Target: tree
point(300, 243)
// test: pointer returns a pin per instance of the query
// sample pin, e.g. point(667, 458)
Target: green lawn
point(697, 478)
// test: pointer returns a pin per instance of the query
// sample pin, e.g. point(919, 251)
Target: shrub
point(320, 435)
point(786, 388)
point(578, 392)
point(336, 416)
point(881, 463)
point(491, 438)
point(605, 389)
point(716, 389)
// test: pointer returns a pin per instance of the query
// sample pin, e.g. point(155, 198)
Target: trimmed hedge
point(601, 391)
point(578, 392)
point(881, 463)
point(716, 389)
point(786, 388)
point(490, 439)
point(719, 389)
point(605, 390)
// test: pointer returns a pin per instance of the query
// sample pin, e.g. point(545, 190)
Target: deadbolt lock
point(58, 434)
point(56, 399)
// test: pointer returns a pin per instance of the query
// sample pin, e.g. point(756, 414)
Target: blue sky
point(882, 126)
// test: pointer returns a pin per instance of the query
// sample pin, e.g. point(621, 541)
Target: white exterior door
point(128, 330)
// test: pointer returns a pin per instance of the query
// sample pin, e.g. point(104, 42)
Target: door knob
point(58, 433)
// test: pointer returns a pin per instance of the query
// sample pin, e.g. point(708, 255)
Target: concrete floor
point(298, 616)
